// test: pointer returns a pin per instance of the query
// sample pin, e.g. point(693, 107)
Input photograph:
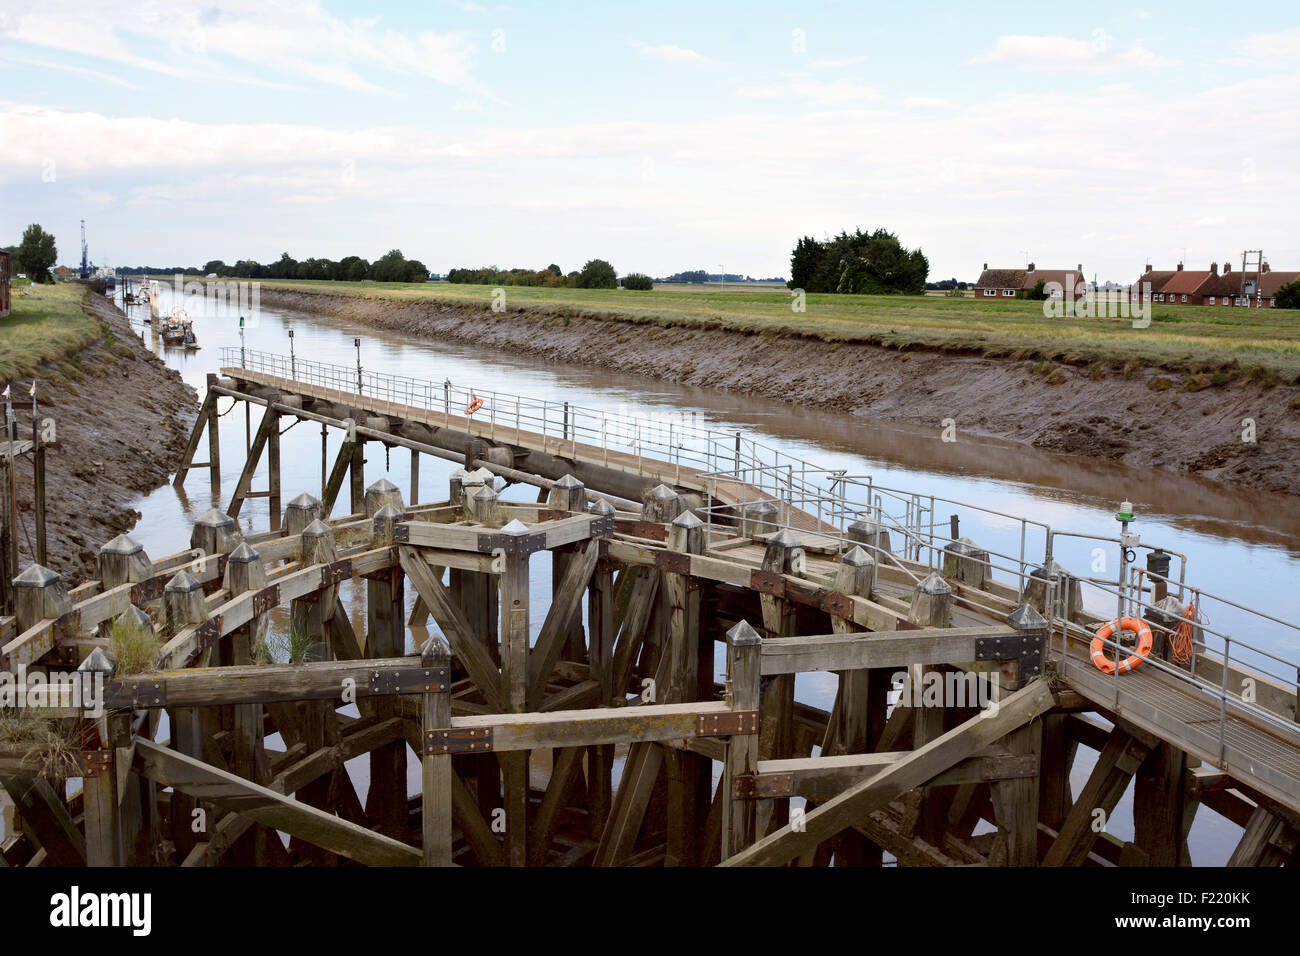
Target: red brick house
point(1016, 283)
point(1212, 287)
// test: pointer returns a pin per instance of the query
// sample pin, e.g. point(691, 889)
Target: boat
point(178, 329)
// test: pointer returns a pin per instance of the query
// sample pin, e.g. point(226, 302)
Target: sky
point(661, 136)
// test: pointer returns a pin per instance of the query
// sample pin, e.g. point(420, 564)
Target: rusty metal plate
point(762, 786)
point(726, 724)
point(767, 582)
point(458, 740)
point(409, 680)
point(150, 590)
point(266, 599)
point(603, 526)
point(1007, 766)
point(642, 529)
point(67, 626)
point(841, 605)
point(96, 762)
point(674, 562)
point(208, 632)
point(336, 573)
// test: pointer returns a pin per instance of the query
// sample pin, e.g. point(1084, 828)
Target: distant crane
point(85, 256)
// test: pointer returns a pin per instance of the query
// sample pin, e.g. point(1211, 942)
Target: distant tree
point(358, 270)
point(1037, 293)
point(638, 282)
point(554, 269)
point(37, 253)
point(861, 262)
point(416, 271)
point(390, 267)
point(597, 274)
point(1288, 297)
point(215, 266)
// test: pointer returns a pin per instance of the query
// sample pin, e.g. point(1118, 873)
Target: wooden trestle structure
point(601, 738)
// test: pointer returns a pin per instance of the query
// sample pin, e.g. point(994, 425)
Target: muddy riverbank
point(1239, 433)
point(122, 419)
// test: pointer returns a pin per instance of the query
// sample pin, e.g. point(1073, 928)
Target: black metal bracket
point(1025, 648)
point(409, 680)
point(458, 740)
point(135, 693)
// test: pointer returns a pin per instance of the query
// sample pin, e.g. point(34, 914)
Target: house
point(1017, 283)
point(1212, 287)
point(63, 272)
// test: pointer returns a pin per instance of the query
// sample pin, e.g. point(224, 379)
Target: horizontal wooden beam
point(853, 651)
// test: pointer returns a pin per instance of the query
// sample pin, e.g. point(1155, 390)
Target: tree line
point(873, 263)
point(393, 266)
point(596, 274)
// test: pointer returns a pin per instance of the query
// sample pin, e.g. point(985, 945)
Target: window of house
point(1184, 298)
point(1212, 300)
point(1008, 291)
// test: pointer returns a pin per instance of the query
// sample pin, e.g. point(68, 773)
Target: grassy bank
point(1264, 343)
point(45, 325)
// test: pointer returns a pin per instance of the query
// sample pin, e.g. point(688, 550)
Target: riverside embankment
point(1242, 431)
point(122, 418)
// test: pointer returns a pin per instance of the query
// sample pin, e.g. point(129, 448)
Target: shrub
point(1288, 297)
point(638, 282)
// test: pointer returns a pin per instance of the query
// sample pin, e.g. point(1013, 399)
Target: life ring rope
point(1097, 650)
point(475, 404)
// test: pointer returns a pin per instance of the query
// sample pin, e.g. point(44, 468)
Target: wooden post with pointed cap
point(514, 677)
point(386, 637)
point(689, 775)
point(122, 561)
point(783, 555)
point(103, 834)
point(435, 814)
point(744, 662)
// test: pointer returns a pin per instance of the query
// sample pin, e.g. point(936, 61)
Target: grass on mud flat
point(1261, 342)
point(46, 324)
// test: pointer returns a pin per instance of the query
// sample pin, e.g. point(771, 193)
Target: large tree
point(1288, 297)
point(860, 262)
point(597, 274)
point(37, 253)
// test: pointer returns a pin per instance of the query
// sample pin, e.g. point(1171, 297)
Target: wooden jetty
point(649, 720)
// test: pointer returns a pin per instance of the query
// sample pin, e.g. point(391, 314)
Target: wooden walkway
point(676, 475)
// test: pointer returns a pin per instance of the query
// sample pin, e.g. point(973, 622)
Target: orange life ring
point(473, 406)
point(1144, 643)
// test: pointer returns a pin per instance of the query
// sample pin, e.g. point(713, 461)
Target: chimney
point(1180, 267)
point(1214, 268)
point(986, 267)
point(1264, 267)
point(1227, 267)
point(1080, 268)
point(1148, 268)
point(1031, 267)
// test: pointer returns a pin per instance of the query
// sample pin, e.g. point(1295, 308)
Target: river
point(1242, 544)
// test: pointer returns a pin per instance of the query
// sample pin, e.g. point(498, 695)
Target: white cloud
point(206, 190)
point(803, 86)
point(668, 53)
point(828, 64)
point(928, 103)
point(244, 39)
point(1054, 54)
point(1280, 45)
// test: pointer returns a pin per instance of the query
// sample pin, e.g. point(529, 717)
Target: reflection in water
point(1244, 545)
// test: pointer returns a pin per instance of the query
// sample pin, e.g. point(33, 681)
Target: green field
point(46, 324)
point(1265, 342)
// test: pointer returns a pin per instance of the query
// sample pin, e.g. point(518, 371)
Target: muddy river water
point(1245, 545)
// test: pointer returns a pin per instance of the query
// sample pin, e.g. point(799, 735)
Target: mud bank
point(1143, 418)
point(122, 418)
